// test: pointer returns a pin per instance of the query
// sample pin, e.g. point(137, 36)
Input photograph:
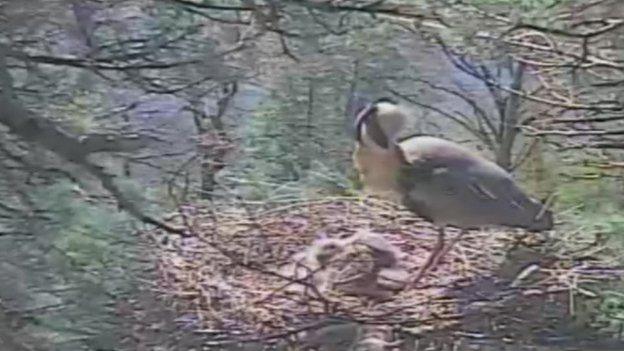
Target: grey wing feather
point(516, 207)
point(468, 194)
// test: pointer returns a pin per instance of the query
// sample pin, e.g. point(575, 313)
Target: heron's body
point(448, 184)
point(438, 179)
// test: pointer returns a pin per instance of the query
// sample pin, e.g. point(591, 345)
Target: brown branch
point(484, 137)
point(586, 119)
point(478, 111)
point(596, 145)
point(95, 64)
point(376, 8)
point(208, 6)
point(286, 50)
point(524, 154)
point(567, 105)
point(535, 132)
point(40, 131)
point(509, 120)
point(611, 24)
point(592, 60)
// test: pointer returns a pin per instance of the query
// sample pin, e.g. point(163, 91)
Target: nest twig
point(228, 278)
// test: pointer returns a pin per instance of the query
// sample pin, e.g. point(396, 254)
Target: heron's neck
point(378, 169)
point(378, 138)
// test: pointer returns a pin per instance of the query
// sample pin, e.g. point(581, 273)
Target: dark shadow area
point(497, 316)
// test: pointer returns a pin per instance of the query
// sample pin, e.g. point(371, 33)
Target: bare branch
point(42, 132)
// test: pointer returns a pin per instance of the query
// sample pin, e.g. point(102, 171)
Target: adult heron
point(437, 179)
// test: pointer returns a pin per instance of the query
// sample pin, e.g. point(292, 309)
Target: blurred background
point(113, 113)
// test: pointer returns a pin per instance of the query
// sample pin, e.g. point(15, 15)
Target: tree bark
point(509, 121)
point(42, 132)
point(215, 143)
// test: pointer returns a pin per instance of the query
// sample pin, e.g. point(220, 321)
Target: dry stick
point(274, 336)
point(289, 283)
point(250, 266)
point(389, 311)
point(571, 290)
point(457, 62)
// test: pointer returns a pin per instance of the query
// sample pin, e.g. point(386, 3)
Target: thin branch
point(484, 137)
point(44, 133)
point(610, 25)
point(523, 94)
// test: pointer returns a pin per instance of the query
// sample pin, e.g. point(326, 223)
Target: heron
point(437, 179)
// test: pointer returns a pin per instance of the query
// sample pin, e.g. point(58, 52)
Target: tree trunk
point(215, 144)
point(509, 120)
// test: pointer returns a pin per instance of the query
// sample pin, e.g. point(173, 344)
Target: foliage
point(296, 142)
point(611, 312)
point(288, 149)
point(82, 255)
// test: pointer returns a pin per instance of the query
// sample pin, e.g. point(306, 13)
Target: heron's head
point(380, 122)
point(324, 249)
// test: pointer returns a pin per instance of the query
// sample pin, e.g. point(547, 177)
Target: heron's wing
point(514, 207)
point(446, 183)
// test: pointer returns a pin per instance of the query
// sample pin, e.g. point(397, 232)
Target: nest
point(284, 267)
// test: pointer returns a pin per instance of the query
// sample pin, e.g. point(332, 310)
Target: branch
point(596, 145)
point(101, 65)
point(610, 24)
point(523, 155)
point(586, 119)
point(484, 137)
point(523, 94)
point(535, 132)
point(375, 8)
point(42, 132)
point(478, 111)
point(499, 101)
point(208, 6)
point(113, 143)
point(509, 120)
point(108, 183)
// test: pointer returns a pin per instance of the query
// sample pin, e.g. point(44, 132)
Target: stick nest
point(286, 266)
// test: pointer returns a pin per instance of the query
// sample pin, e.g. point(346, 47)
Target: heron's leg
point(432, 257)
point(448, 247)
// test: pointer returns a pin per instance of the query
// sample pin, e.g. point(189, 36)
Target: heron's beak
point(356, 103)
point(361, 118)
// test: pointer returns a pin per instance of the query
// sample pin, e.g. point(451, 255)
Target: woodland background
point(112, 113)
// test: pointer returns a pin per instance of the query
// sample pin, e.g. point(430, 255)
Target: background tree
point(114, 113)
